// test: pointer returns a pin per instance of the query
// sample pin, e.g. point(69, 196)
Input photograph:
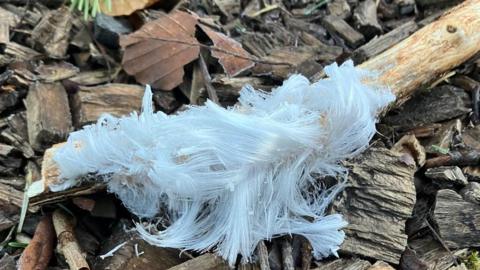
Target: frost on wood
point(226, 179)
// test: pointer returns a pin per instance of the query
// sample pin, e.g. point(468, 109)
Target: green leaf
point(17, 244)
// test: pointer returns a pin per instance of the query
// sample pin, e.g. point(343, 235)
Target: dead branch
point(67, 242)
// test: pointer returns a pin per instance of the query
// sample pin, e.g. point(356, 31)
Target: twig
point(455, 158)
point(113, 250)
point(262, 254)
point(437, 236)
point(212, 93)
point(213, 48)
point(67, 242)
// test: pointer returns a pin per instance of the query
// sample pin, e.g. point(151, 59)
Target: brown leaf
point(157, 52)
point(125, 7)
point(233, 62)
point(40, 249)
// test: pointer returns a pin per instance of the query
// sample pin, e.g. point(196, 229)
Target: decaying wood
point(438, 47)
point(136, 253)
point(379, 44)
point(48, 114)
point(40, 249)
point(376, 203)
point(52, 32)
point(116, 99)
point(458, 221)
point(67, 243)
point(344, 30)
point(206, 261)
point(438, 104)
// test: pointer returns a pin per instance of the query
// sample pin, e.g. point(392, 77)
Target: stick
point(67, 242)
point(429, 52)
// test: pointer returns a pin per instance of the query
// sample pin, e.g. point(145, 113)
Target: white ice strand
point(225, 179)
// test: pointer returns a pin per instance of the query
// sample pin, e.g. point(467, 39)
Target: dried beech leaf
point(231, 62)
point(125, 7)
point(157, 52)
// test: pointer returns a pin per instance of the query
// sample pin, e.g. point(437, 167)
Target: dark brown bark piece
point(380, 44)
point(438, 104)
point(376, 203)
point(89, 103)
point(458, 221)
point(344, 30)
point(53, 31)
point(48, 114)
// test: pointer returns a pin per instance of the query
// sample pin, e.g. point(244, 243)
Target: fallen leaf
point(157, 52)
point(39, 251)
point(233, 58)
point(125, 7)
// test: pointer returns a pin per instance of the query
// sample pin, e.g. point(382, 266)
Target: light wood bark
point(429, 52)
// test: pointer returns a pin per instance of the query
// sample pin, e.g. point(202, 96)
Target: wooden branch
point(67, 242)
point(429, 52)
point(39, 251)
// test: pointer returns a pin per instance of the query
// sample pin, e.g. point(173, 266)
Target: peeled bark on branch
point(67, 242)
point(429, 52)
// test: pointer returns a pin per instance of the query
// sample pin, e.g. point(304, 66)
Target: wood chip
point(380, 44)
point(409, 144)
point(365, 18)
point(379, 198)
point(458, 221)
point(431, 253)
point(344, 30)
point(344, 264)
point(438, 104)
point(156, 53)
point(89, 103)
point(53, 31)
point(206, 261)
point(237, 60)
point(447, 176)
point(48, 114)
